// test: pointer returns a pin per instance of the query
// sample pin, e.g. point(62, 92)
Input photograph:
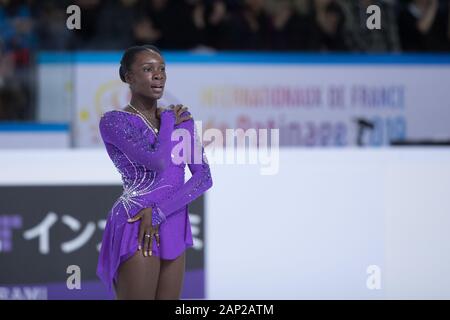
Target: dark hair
point(128, 58)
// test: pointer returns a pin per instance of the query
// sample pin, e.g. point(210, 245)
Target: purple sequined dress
point(153, 177)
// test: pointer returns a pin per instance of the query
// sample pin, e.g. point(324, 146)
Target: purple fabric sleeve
point(199, 182)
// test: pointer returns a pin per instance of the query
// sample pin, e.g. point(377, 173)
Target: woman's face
point(147, 75)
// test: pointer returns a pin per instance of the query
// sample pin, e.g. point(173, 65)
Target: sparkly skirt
point(120, 241)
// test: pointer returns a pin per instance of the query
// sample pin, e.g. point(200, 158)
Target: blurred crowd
point(28, 26)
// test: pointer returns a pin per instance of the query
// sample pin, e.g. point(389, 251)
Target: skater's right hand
point(178, 109)
point(146, 231)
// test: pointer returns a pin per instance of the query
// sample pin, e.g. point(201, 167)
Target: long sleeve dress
point(153, 176)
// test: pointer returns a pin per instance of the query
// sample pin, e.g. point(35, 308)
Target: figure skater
point(148, 230)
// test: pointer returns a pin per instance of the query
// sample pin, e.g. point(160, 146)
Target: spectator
point(216, 19)
point(13, 103)
point(144, 32)
point(84, 38)
point(249, 28)
point(114, 25)
point(176, 25)
point(326, 27)
point(6, 65)
point(424, 26)
point(289, 27)
point(51, 19)
point(18, 42)
point(17, 30)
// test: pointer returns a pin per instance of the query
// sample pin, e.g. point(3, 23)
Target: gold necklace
point(145, 118)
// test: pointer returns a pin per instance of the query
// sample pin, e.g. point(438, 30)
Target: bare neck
point(145, 105)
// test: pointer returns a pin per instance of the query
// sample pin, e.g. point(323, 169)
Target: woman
point(148, 229)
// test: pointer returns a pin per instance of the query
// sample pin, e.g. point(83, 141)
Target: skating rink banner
point(315, 101)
